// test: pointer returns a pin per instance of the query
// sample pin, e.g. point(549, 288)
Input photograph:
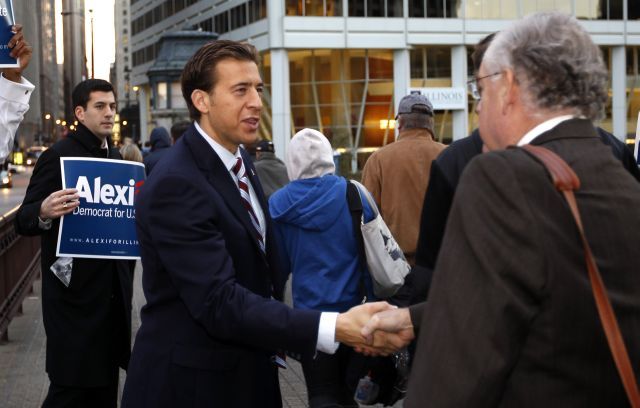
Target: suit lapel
point(220, 179)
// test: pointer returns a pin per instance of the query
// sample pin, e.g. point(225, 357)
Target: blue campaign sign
point(6, 21)
point(103, 225)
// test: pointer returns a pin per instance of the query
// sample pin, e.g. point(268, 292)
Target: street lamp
point(68, 13)
point(93, 65)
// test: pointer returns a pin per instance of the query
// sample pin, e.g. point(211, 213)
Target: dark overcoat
point(88, 324)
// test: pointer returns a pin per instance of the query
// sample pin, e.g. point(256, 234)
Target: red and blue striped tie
point(243, 185)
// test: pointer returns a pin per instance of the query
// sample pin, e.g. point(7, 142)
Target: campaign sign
point(6, 21)
point(103, 225)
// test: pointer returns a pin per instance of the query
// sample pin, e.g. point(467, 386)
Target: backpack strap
point(565, 180)
point(356, 210)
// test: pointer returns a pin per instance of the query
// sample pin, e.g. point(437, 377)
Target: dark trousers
point(327, 382)
point(77, 397)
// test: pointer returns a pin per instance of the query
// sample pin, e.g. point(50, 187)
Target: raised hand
point(20, 49)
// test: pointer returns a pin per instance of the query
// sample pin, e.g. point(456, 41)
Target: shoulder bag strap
point(355, 208)
point(566, 180)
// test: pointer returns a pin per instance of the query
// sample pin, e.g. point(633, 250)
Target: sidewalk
point(24, 383)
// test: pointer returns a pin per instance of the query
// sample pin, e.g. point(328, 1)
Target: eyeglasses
point(472, 85)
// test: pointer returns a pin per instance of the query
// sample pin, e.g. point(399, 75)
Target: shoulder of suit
point(513, 162)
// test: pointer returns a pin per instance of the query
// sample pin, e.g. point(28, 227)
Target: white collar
point(229, 159)
point(545, 126)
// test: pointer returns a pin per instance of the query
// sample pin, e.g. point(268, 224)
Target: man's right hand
point(59, 203)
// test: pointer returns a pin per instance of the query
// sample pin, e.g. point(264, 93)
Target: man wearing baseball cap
point(398, 174)
point(272, 171)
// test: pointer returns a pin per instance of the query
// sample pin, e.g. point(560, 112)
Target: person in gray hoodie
point(160, 143)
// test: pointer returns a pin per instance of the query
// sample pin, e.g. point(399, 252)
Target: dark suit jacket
point(88, 324)
point(210, 325)
point(511, 320)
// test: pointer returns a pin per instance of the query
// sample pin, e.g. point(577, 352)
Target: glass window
point(313, 7)
point(177, 101)
point(375, 8)
point(633, 10)
point(529, 7)
point(633, 79)
point(417, 8)
point(492, 9)
point(345, 94)
point(356, 8)
point(161, 95)
point(394, 8)
point(435, 8)
point(334, 8)
point(429, 64)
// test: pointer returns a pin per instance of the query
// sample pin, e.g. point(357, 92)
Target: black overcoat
point(88, 324)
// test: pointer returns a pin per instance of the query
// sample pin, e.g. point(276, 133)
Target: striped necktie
point(243, 185)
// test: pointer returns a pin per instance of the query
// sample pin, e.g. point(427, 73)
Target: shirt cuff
point(327, 333)
point(16, 91)
point(44, 224)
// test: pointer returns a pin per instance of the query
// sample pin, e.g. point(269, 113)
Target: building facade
point(342, 66)
point(75, 56)
point(39, 28)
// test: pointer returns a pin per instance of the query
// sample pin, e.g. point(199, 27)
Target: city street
point(12, 197)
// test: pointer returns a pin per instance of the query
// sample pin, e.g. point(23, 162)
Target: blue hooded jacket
point(314, 228)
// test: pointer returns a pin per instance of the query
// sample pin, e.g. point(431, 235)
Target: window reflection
point(313, 8)
point(431, 68)
point(342, 93)
point(375, 8)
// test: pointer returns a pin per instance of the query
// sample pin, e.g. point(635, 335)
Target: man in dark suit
point(88, 322)
point(511, 320)
point(211, 328)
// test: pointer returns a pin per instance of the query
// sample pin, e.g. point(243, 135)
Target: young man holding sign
point(87, 319)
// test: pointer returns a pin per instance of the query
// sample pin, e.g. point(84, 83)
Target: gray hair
point(416, 121)
point(556, 63)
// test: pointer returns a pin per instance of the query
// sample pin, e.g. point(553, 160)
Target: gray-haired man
point(511, 320)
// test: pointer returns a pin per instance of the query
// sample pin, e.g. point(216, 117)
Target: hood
point(159, 138)
point(314, 203)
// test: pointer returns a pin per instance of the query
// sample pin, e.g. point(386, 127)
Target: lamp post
point(93, 65)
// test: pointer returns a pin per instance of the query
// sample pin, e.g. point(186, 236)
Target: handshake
point(375, 328)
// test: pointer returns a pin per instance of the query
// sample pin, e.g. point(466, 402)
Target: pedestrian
point(398, 174)
point(131, 152)
point(272, 171)
point(160, 144)
point(88, 323)
point(213, 322)
point(511, 319)
point(178, 129)
point(15, 91)
point(313, 222)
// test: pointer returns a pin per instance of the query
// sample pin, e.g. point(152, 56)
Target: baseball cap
point(265, 146)
point(415, 103)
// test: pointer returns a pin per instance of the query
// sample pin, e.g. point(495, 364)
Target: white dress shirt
point(543, 127)
point(327, 329)
point(14, 103)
